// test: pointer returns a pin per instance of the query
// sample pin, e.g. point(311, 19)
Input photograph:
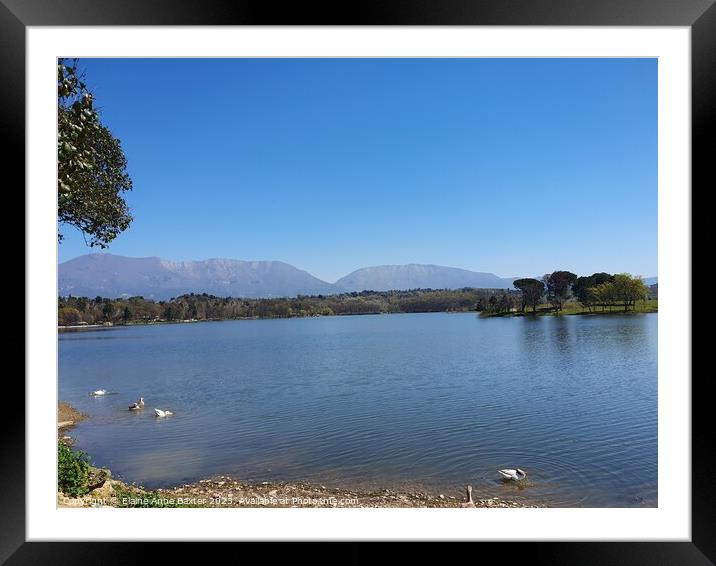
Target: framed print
point(467, 177)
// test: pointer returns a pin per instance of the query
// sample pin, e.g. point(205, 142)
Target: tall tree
point(559, 285)
point(532, 291)
point(628, 289)
point(602, 294)
point(505, 304)
point(580, 288)
point(92, 168)
point(108, 311)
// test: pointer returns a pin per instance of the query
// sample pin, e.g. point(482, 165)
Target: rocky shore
point(225, 492)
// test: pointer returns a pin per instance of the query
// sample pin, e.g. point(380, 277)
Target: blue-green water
point(431, 401)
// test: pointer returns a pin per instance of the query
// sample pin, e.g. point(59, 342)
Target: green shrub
point(72, 471)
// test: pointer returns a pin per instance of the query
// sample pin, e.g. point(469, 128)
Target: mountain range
point(109, 275)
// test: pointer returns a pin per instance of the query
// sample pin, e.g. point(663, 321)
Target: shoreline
point(552, 313)
point(161, 322)
point(226, 491)
point(68, 416)
point(481, 314)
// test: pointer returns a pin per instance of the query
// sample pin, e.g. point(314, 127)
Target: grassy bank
point(572, 308)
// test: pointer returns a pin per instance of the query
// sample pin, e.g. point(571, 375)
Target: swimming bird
point(99, 392)
point(516, 474)
point(161, 413)
point(138, 405)
point(470, 502)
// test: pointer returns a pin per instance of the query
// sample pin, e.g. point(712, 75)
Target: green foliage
point(628, 289)
point(91, 164)
point(499, 304)
point(68, 316)
point(601, 295)
point(580, 288)
point(72, 471)
point(622, 290)
point(559, 286)
point(107, 309)
point(532, 291)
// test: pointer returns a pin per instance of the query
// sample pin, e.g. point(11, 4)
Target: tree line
point(599, 290)
point(101, 310)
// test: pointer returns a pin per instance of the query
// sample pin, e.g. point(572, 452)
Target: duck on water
point(138, 405)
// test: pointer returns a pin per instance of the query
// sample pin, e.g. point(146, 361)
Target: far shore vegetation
point(558, 293)
point(564, 292)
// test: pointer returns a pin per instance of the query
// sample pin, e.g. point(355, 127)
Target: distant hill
point(419, 276)
point(114, 276)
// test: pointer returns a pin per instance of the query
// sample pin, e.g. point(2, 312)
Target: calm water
point(434, 401)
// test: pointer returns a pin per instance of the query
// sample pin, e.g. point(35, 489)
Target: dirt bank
point(67, 417)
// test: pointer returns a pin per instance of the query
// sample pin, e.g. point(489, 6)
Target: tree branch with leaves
point(92, 168)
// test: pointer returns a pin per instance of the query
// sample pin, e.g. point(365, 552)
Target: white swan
point(516, 474)
point(138, 405)
point(99, 392)
point(161, 413)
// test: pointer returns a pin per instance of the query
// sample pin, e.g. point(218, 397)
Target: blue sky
point(512, 166)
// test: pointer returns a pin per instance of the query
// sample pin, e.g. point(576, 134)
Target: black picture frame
point(699, 15)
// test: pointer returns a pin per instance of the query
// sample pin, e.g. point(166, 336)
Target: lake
point(404, 401)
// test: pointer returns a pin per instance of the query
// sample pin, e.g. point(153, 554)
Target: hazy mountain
point(109, 275)
point(651, 280)
point(113, 276)
point(414, 276)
